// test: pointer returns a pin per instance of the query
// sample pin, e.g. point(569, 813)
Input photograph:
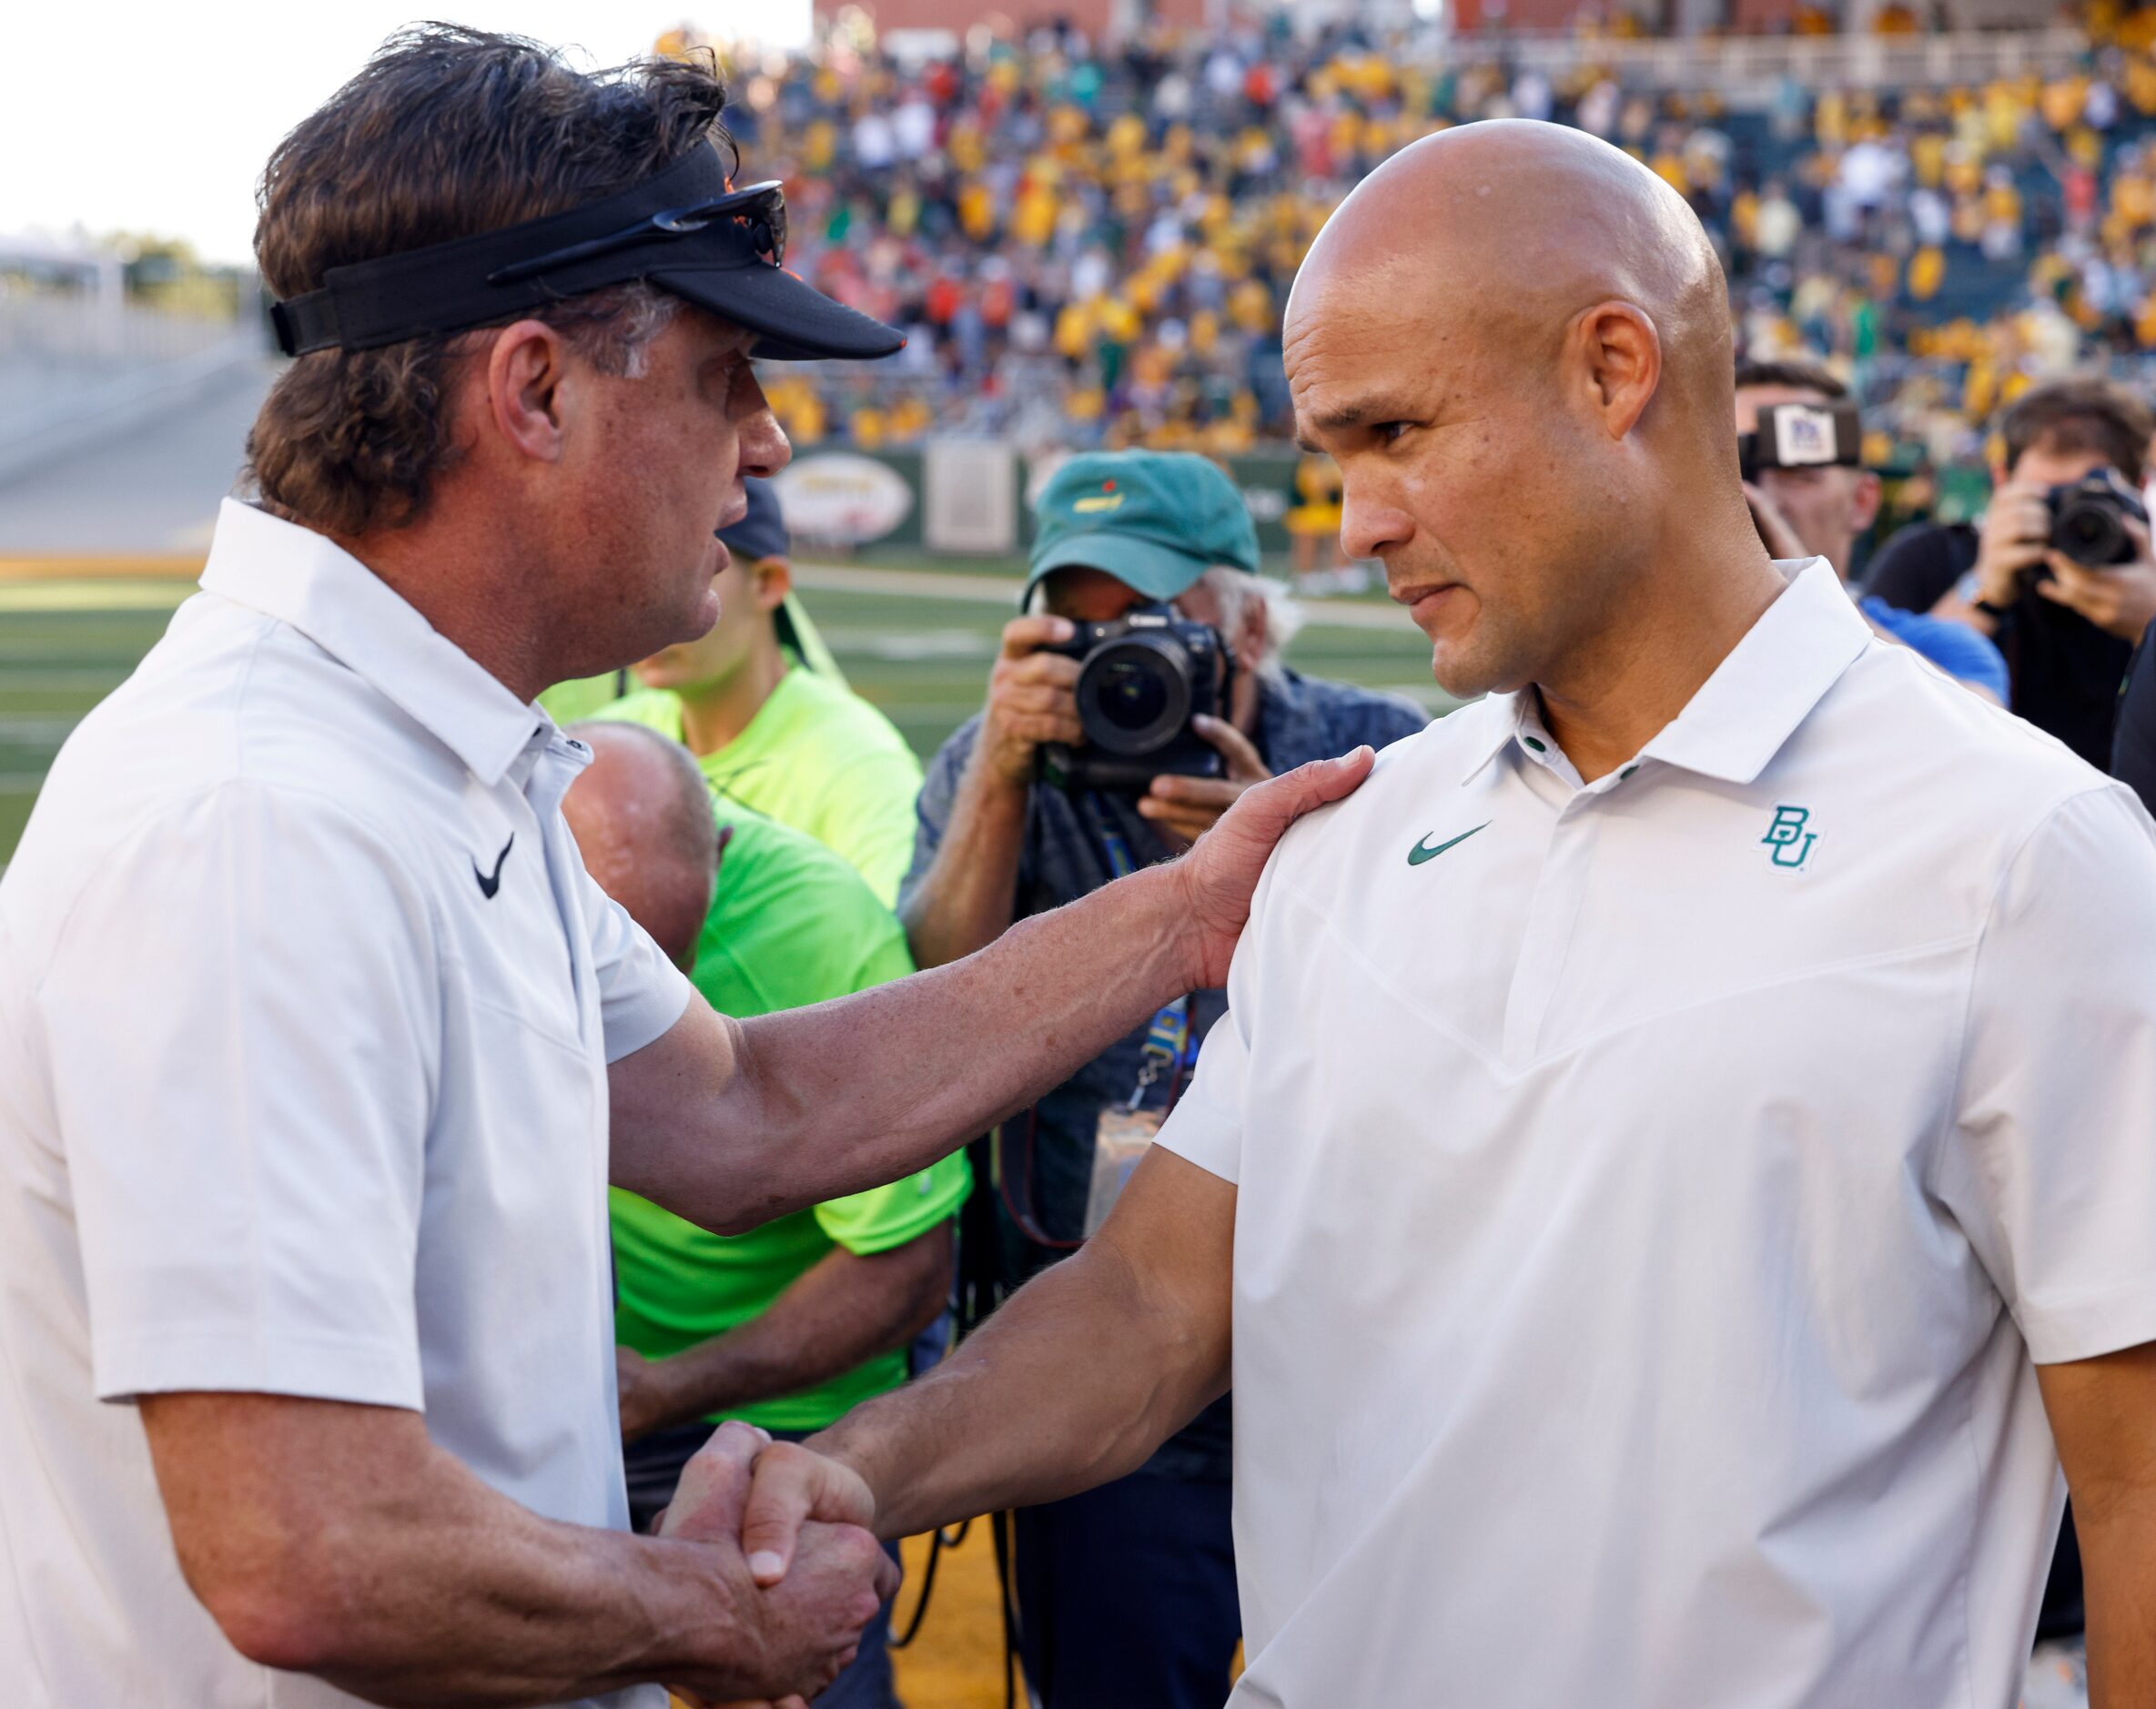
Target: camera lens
point(1132, 696)
point(2089, 531)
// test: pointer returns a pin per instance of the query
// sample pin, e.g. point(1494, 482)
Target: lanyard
point(1169, 1043)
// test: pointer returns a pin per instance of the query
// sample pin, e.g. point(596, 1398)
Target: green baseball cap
point(1155, 519)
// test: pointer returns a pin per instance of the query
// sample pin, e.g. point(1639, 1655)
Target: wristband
point(1970, 591)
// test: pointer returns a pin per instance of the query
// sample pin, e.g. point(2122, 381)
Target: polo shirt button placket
point(552, 770)
point(1560, 887)
point(1552, 758)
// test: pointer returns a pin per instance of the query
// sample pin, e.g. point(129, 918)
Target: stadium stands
point(1094, 248)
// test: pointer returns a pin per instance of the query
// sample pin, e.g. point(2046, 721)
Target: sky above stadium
point(155, 117)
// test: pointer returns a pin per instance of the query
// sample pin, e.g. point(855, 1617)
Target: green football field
point(64, 645)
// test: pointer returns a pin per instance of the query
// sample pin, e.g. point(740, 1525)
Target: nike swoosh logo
point(1420, 852)
point(489, 885)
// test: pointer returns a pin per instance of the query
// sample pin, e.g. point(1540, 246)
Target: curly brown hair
point(448, 131)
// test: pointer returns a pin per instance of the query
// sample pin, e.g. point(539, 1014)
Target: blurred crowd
point(1093, 248)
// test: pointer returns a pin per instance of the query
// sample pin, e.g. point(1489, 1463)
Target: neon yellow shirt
point(791, 924)
point(818, 757)
point(566, 702)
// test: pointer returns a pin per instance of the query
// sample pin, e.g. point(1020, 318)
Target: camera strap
point(1168, 1047)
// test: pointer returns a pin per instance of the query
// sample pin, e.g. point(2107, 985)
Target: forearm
point(1006, 1422)
point(842, 1312)
point(543, 1613)
point(2118, 1541)
point(731, 1123)
point(425, 1586)
point(827, 1100)
point(2103, 1418)
point(966, 898)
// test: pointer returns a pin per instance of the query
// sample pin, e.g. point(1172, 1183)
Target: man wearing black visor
point(306, 1323)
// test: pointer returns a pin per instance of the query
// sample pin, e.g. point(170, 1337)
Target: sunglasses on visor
point(758, 208)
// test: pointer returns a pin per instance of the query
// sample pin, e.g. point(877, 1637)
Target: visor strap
point(306, 323)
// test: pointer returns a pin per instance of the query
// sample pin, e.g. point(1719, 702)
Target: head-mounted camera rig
point(1803, 436)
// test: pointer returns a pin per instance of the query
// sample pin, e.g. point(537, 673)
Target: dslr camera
point(2089, 519)
point(1142, 680)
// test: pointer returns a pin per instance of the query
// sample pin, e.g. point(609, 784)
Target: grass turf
point(65, 645)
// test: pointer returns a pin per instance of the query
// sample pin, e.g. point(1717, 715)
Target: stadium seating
point(1095, 247)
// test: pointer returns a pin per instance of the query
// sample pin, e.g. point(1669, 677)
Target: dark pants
point(1127, 1596)
point(654, 1465)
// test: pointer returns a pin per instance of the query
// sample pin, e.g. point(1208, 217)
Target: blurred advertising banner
point(847, 499)
point(973, 498)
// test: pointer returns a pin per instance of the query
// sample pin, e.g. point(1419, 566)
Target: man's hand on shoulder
point(1221, 870)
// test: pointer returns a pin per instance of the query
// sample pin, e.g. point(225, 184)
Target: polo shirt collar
point(1770, 682)
point(1742, 714)
point(306, 579)
point(1501, 716)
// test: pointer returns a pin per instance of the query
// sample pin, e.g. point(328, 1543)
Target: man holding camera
point(1799, 444)
point(1126, 1593)
point(2058, 574)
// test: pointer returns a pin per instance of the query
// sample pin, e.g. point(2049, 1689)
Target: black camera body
point(2089, 519)
point(1142, 679)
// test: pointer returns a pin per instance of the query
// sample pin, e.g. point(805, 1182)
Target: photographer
point(2067, 620)
point(1799, 444)
point(1126, 1593)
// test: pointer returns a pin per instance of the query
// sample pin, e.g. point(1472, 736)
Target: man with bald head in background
point(784, 1326)
point(1679, 1149)
point(641, 817)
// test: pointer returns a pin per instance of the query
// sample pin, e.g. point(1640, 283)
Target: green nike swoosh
point(1418, 854)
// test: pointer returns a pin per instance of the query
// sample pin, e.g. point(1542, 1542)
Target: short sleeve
point(242, 1029)
point(641, 993)
point(1206, 1127)
point(885, 1218)
point(2050, 1161)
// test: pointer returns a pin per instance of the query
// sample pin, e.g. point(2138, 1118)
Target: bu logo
point(1787, 840)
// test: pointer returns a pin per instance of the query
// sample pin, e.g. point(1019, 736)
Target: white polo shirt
point(305, 1003)
point(1652, 1196)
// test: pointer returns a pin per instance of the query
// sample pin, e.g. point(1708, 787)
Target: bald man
point(1680, 1149)
point(641, 817)
point(787, 1325)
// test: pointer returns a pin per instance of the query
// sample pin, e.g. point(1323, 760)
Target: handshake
point(801, 1523)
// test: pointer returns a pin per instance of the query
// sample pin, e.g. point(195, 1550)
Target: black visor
point(684, 230)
